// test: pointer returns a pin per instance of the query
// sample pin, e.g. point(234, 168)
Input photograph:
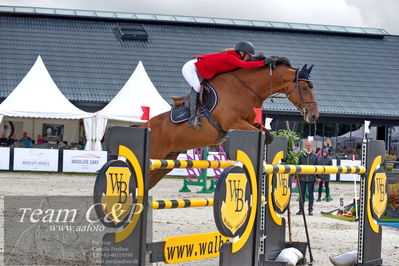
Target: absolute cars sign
point(83, 161)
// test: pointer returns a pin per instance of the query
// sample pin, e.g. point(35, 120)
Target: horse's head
point(300, 92)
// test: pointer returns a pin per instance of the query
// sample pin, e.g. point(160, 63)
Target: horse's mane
point(278, 60)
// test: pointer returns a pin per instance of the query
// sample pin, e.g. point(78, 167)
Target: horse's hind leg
point(157, 175)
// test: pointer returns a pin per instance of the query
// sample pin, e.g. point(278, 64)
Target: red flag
point(258, 116)
point(146, 113)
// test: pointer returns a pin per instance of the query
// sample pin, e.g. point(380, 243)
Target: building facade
point(90, 55)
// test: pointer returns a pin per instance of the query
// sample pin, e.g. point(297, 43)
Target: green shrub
point(291, 157)
point(390, 157)
point(393, 196)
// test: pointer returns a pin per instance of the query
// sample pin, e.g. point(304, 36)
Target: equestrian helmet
point(246, 47)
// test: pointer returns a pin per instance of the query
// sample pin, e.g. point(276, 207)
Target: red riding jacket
point(211, 64)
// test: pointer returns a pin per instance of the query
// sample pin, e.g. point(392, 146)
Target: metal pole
point(289, 223)
point(336, 135)
point(301, 202)
point(361, 229)
point(354, 184)
point(289, 209)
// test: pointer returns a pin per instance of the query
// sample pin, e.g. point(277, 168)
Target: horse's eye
point(304, 88)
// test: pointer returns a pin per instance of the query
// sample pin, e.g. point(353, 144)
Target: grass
point(344, 218)
point(352, 219)
point(389, 219)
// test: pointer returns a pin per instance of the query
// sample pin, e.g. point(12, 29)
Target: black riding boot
point(194, 119)
point(327, 194)
point(320, 191)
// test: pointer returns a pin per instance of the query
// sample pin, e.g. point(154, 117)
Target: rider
point(209, 65)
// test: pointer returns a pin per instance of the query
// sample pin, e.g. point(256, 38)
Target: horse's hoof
point(269, 137)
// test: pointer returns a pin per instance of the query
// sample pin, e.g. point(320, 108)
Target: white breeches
point(190, 74)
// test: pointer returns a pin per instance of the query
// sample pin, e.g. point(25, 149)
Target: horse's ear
point(303, 72)
point(309, 70)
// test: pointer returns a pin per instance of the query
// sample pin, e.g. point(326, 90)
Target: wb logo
point(381, 188)
point(119, 186)
point(117, 199)
point(235, 207)
point(236, 194)
point(379, 194)
point(283, 182)
point(281, 191)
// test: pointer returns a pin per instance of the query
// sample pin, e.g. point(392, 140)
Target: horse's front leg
point(244, 125)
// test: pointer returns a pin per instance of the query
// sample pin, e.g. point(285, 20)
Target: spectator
point(26, 140)
point(12, 139)
point(4, 140)
point(40, 140)
point(324, 160)
point(307, 181)
point(318, 151)
point(104, 143)
point(49, 131)
point(63, 145)
point(329, 147)
point(82, 143)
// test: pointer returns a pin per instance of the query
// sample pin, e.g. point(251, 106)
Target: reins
point(260, 97)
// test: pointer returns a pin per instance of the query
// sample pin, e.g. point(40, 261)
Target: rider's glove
point(268, 60)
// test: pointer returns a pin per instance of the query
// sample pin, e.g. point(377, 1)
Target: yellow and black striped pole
point(181, 203)
point(313, 169)
point(269, 168)
point(198, 164)
point(184, 203)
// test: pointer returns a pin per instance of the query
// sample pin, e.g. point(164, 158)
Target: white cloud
point(314, 11)
point(380, 14)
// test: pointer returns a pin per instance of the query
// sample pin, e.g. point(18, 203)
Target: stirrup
point(195, 123)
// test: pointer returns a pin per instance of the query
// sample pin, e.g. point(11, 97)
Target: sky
point(359, 13)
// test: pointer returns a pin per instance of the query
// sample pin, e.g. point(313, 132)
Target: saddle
point(208, 99)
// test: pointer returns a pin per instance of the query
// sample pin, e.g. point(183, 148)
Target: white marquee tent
point(126, 105)
point(37, 96)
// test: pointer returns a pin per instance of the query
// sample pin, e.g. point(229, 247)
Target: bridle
point(302, 107)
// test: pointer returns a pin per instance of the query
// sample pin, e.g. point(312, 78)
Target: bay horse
point(239, 91)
